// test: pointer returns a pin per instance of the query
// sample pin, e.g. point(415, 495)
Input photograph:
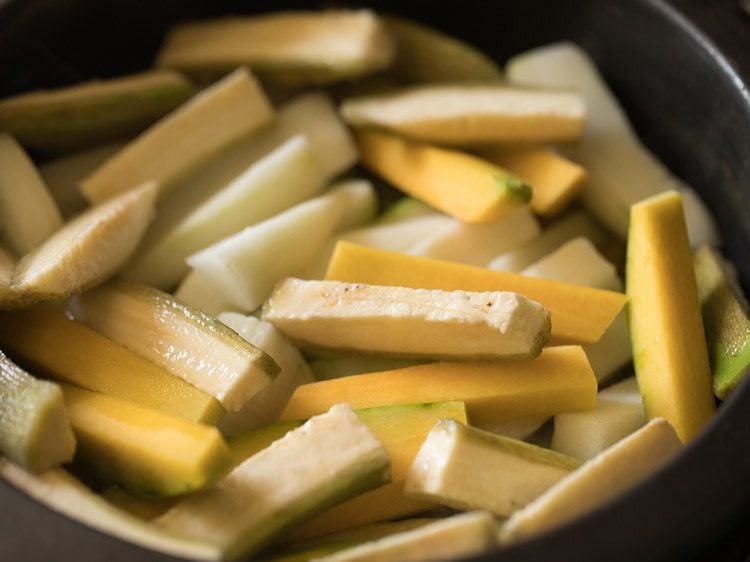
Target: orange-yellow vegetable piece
point(557, 181)
point(459, 184)
point(666, 327)
point(559, 380)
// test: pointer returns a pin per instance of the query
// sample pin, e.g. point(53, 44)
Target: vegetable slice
point(467, 468)
point(467, 115)
point(34, 427)
point(619, 412)
point(559, 380)
point(725, 320)
point(92, 112)
point(374, 319)
point(666, 328)
point(88, 249)
point(456, 183)
point(184, 139)
point(557, 181)
point(182, 340)
point(289, 47)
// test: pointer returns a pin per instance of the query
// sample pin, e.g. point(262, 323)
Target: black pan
point(682, 71)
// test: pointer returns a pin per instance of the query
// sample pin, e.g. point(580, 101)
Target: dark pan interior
point(685, 86)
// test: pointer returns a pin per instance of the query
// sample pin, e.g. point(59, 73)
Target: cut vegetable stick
point(285, 47)
point(618, 413)
point(577, 262)
point(126, 442)
point(92, 112)
point(603, 478)
point(573, 225)
point(28, 214)
point(34, 427)
point(557, 181)
point(467, 115)
point(268, 404)
point(402, 430)
point(456, 183)
point(63, 175)
point(399, 321)
point(476, 244)
point(88, 249)
point(669, 345)
point(467, 468)
point(459, 536)
point(361, 209)
point(425, 54)
point(70, 352)
point(184, 139)
point(281, 179)
point(725, 320)
point(63, 493)
point(247, 265)
point(565, 302)
point(559, 380)
point(182, 340)
point(249, 507)
point(621, 169)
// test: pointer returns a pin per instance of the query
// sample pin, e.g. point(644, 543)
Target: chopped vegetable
point(34, 427)
point(469, 469)
point(725, 320)
point(87, 250)
point(288, 47)
point(666, 328)
point(457, 183)
point(468, 115)
point(144, 450)
point(559, 380)
point(98, 111)
point(565, 302)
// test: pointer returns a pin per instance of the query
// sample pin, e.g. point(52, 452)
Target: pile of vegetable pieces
point(203, 306)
